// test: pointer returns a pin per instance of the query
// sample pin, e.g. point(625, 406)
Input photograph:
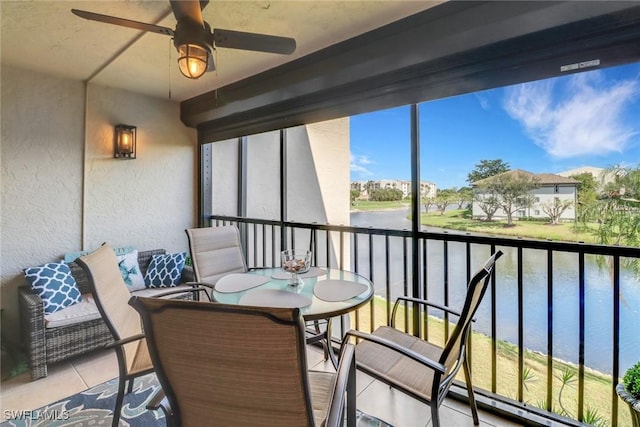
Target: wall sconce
point(125, 142)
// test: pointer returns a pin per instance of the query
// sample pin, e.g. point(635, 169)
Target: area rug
point(94, 407)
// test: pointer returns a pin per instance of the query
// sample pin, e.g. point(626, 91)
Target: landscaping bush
point(632, 380)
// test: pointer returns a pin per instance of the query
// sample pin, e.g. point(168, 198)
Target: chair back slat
point(111, 296)
point(215, 252)
point(475, 291)
point(210, 360)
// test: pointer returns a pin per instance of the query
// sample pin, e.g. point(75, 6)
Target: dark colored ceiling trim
point(454, 48)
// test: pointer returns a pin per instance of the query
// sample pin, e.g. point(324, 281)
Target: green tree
point(444, 198)
point(554, 209)
point(428, 202)
point(619, 212)
point(463, 197)
point(354, 194)
point(488, 202)
point(486, 169)
point(386, 195)
point(512, 191)
point(587, 197)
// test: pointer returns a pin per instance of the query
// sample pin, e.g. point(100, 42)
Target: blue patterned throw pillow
point(55, 285)
point(165, 270)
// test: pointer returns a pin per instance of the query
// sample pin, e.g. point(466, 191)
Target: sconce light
point(125, 142)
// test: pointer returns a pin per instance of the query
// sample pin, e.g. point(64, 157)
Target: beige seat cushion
point(80, 312)
point(87, 310)
point(396, 368)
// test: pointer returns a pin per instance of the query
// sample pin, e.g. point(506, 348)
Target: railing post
point(415, 215)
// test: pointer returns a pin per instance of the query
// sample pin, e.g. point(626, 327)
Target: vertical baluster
point(405, 282)
point(581, 273)
point(387, 263)
point(356, 269)
point(468, 280)
point(494, 343)
point(328, 246)
point(371, 277)
point(425, 288)
point(255, 244)
point(520, 327)
point(273, 245)
point(616, 339)
point(549, 330)
point(445, 269)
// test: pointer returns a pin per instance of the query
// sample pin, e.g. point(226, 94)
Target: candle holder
point(296, 262)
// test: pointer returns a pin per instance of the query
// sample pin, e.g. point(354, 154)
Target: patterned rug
point(94, 407)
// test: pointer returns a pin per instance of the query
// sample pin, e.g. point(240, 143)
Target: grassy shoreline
point(459, 220)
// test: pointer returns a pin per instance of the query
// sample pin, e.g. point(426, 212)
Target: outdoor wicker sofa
point(88, 332)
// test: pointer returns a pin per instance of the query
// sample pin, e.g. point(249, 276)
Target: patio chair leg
point(472, 398)
point(119, 399)
point(130, 387)
point(351, 396)
point(435, 417)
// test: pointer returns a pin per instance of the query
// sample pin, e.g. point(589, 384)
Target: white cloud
point(358, 165)
point(587, 119)
point(484, 102)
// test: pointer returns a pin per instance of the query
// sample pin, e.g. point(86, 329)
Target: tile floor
point(375, 398)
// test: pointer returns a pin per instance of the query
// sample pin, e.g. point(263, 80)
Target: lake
point(598, 300)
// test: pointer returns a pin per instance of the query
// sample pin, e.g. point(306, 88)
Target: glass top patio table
point(318, 309)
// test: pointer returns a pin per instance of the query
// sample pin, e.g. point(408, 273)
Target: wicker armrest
point(33, 330)
point(31, 307)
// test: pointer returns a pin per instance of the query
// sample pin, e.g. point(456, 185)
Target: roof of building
point(542, 178)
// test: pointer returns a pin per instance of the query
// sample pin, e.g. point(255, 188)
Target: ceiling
point(45, 36)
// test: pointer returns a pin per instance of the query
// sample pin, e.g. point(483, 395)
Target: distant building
point(549, 187)
point(427, 189)
point(600, 175)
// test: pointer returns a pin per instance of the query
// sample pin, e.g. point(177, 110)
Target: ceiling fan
point(194, 39)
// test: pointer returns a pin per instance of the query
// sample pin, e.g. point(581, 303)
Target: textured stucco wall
point(42, 143)
point(147, 202)
point(53, 201)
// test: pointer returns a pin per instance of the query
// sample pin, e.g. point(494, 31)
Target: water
point(565, 298)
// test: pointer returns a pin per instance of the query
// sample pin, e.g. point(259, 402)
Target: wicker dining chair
point(111, 297)
point(417, 367)
point(231, 365)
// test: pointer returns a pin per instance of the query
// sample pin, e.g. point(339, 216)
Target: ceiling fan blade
point(187, 10)
point(252, 41)
point(123, 22)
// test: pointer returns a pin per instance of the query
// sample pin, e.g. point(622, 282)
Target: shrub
point(632, 380)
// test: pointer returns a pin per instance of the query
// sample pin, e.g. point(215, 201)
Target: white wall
point(317, 177)
point(53, 201)
point(149, 201)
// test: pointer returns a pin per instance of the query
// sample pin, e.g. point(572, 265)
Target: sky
point(547, 126)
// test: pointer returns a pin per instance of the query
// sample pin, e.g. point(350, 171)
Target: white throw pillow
point(130, 271)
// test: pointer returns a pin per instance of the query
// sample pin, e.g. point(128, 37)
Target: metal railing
point(440, 270)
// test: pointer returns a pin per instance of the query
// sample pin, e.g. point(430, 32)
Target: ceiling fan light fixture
point(192, 60)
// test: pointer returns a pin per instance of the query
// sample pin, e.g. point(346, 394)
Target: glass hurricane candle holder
point(296, 262)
